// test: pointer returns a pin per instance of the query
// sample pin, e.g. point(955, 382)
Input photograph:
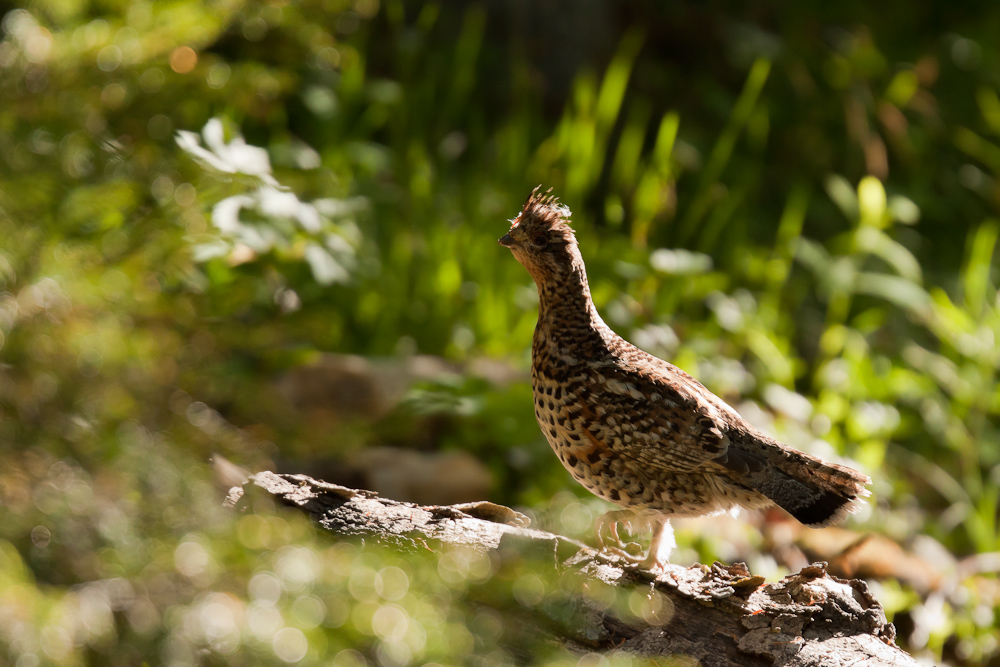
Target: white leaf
point(226, 214)
point(324, 267)
point(338, 207)
point(260, 239)
point(680, 261)
point(215, 136)
point(308, 217)
point(189, 142)
point(277, 203)
point(338, 244)
point(250, 160)
point(235, 157)
point(203, 252)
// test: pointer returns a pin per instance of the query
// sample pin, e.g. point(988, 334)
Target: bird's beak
point(507, 241)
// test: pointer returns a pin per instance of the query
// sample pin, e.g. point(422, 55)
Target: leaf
point(325, 269)
point(843, 195)
point(235, 157)
point(680, 262)
point(226, 214)
point(976, 272)
point(871, 202)
point(813, 255)
point(902, 292)
point(894, 254)
point(904, 210)
point(202, 252)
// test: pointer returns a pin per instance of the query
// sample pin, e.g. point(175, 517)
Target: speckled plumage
point(637, 430)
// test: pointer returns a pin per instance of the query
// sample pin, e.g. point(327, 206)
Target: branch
point(721, 615)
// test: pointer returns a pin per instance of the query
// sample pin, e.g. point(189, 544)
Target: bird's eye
point(539, 241)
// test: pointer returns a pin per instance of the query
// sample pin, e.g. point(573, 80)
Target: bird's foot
point(662, 543)
point(660, 546)
point(631, 552)
point(607, 526)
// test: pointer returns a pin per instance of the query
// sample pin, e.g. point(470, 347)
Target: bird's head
point(541, 239)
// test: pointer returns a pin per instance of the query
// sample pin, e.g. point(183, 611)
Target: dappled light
point(246, 236)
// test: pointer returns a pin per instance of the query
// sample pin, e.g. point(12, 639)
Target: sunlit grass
point(814, 238)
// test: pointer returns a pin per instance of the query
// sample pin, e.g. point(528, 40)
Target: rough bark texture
point(720, 615)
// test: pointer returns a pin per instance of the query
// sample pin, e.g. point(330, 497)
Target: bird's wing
point(662, 417)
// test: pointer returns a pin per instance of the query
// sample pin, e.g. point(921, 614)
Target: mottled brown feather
point(637, 430)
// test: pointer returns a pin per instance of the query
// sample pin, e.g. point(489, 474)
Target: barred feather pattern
point(635, 429)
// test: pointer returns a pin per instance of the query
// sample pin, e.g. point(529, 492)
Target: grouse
point(637, 430)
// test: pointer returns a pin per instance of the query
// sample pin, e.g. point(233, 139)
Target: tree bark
point(720, 615)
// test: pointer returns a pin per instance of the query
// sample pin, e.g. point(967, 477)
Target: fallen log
point(720, 615)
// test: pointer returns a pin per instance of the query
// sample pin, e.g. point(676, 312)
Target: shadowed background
point(258, 235)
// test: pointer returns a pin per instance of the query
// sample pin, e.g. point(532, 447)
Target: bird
point(640, 432)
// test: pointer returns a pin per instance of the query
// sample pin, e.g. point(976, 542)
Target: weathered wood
point(720, 615)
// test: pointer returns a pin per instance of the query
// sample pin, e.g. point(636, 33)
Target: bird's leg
point(608, 523)
point(660, 546)
point(661, 543)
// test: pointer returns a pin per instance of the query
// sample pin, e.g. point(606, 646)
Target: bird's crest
point(543, 207)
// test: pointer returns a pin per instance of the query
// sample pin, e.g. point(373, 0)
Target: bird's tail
point(814, 491)
point(819, 493)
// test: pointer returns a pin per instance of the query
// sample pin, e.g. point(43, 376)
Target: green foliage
point(196, 197)
point(197, 583)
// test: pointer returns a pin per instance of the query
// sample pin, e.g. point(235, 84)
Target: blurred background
point(238, 236)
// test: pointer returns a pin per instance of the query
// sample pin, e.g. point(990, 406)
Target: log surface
point(720, 615)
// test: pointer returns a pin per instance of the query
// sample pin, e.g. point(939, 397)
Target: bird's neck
point(565, 303)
